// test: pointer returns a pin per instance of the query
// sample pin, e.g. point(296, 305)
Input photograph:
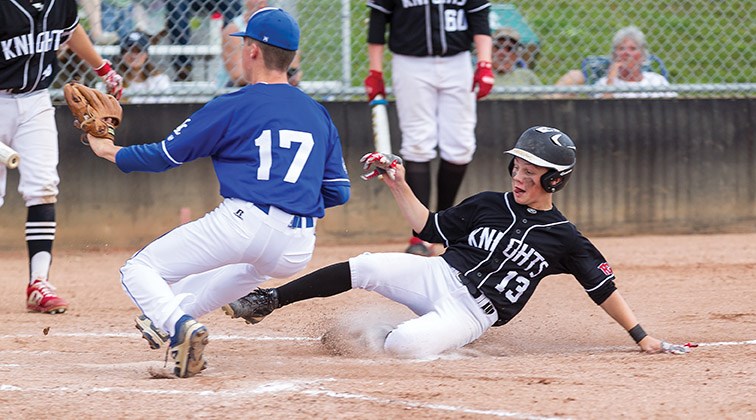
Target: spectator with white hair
point(629, 53)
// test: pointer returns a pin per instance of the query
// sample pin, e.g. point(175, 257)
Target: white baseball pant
point(436, 107)
point(449, 317)
point(202, 265)
point(28, 127)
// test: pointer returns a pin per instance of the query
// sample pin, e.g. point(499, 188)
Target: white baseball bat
point(381, 135)
point(8, 156)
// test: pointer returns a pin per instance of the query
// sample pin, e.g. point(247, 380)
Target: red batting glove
point(374, 85)
point(484, 79)
point(113, 80)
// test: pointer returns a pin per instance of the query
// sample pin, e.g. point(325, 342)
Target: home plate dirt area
point(562, 357)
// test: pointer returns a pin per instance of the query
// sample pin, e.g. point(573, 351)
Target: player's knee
point(459, 155)
point(45, 199)
point(418, 153)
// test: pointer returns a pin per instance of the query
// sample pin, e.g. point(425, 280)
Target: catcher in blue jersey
point(499, 247)
point(278, 159)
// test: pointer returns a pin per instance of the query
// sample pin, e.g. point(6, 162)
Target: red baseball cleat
point(41, 297)
point(418, 247)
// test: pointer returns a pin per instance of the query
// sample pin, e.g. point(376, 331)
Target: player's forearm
point(375, 57)
point(483, 45)
point(412, 209)
point(619, 310)
point(82, 46)
point(103, 148)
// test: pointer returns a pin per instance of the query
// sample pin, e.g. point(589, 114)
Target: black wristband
point(637, 333)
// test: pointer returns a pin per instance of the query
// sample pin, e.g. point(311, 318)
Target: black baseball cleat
point(155, 336)
point(253, 307)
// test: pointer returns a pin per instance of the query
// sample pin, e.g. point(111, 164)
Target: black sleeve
point(478, 22)
point(377, 27)
point(427, 229)
point(590, 268)
point(451, 224)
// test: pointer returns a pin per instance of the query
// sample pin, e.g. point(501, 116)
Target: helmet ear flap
point(553, 180)
point(511, 166)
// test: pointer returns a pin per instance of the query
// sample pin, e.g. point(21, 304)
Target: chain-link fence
point(703, 47)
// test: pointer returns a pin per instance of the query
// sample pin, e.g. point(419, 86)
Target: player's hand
point(113, 81)
point(652, 345)
point(484, 79)
point(374, 85)
point(611, 74)
point(376, 164)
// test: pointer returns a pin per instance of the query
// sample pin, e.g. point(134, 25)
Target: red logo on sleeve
point(606, 269)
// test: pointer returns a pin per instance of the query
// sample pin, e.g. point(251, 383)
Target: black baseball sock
point(327, 281)
point(40, 233)
point(419, 179)
point(449, 180)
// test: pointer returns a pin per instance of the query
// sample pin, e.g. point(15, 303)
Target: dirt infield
point(561, 357)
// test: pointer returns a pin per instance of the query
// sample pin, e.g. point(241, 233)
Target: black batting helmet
point(549, 148)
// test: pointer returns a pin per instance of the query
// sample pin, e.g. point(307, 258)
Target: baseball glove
point(96, 113)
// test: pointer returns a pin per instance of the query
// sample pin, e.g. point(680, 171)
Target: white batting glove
point(675, 348)
point(376, 164)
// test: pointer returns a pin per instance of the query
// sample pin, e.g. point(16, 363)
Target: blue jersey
point(270, 145)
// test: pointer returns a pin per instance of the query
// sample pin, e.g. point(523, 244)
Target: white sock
point(40, 266)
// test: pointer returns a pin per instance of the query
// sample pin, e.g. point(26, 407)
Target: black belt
point(485, 305)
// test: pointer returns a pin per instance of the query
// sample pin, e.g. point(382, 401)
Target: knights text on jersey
point(428, 27)
point(506, 249)
point(31, 33)
point(270, 144)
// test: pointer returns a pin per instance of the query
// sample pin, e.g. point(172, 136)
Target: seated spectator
point(508, 66)
point(629, 53)
point(232, 73)
point(139, 74)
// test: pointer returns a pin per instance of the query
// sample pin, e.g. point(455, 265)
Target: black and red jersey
point(428, 27)
point(31, 33)
point(506, 249)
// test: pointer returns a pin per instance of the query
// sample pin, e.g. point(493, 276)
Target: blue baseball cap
point(273, 26)
point(136, 39)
